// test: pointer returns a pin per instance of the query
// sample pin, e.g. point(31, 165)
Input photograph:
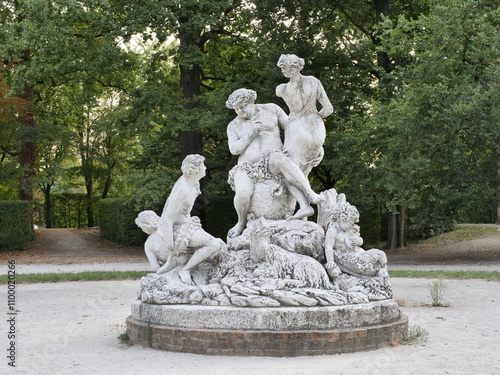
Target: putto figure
point(343, 241)
point(254, 135)
point(183, 234)
point(306, 133)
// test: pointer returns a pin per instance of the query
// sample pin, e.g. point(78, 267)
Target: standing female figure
point(305, 132)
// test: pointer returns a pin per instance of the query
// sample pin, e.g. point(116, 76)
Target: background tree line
point(104, 98)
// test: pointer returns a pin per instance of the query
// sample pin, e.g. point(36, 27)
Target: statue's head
point(290, 64)
point(260, 238)
point(192, 164)
point(148, 221)
point(241, 97)
point(345, 212)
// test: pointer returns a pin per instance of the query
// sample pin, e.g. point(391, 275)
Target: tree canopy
point(105, 97)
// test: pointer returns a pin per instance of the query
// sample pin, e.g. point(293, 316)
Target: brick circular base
point(265, 342)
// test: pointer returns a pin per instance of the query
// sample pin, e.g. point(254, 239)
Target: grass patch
point(462, 233)
point(80, 276)
point(458, 275)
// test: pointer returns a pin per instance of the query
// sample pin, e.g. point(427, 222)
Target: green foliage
point(16, 229)
point(437, 138)
point(455, 275)
point(113, 91)
point(117, 222)
point(70, 209)
point(80, 276)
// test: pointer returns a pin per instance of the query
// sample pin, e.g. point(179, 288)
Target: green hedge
point(220, 216)
point(16, 229)
point(117, 222)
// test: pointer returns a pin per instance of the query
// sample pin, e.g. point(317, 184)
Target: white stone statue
point(343, 242)
point(305, 133)
point(254, 135)
point(155, 247)
point(276, 258)
point(189, 243)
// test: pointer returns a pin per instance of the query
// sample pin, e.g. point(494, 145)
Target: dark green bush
point(220, 216)
point(16, 229)
point(117, 222)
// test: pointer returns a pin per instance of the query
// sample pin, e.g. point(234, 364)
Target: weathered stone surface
point(267, 318)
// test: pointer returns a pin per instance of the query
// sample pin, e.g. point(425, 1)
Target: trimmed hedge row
point(117, 222)
point(16, 229)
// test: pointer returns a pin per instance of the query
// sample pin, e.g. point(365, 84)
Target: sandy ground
point(73, 328)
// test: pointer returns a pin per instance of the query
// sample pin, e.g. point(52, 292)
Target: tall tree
point(439, 133)
point(49, 44)
point(194, 24)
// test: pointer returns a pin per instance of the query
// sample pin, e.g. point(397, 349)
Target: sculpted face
point(289, 70)
point(244, 110)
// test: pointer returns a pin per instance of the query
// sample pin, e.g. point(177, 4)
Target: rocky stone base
point(286, 339)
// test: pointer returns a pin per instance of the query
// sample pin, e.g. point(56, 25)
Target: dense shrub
point(220, 216)
point(117, 222)
point(16, 229)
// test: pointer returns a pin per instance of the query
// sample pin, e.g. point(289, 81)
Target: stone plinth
point(276, 332)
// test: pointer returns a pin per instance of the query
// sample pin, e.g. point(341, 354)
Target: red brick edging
point(266, 343)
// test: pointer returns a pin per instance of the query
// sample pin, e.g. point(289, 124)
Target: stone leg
point(207, 246)
point(298, 185)
point(243, 187)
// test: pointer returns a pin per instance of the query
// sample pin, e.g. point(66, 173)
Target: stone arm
point(327, 109)
point(236, 144)
point(330, 237)
point(282, 118)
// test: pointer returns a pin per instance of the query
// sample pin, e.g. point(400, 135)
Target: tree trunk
point(90, 210)
point(107, 183)
point(401, 227)
point(382, 10)
point(190, 82)
point(27, 156)
point(48, 206)
point(396, 237)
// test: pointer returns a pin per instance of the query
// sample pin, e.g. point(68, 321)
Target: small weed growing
point(149, 335)
point(415, 333)
point(438, 289)
point(124, 338)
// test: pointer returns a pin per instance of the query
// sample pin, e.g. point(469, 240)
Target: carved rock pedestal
point(278, 332)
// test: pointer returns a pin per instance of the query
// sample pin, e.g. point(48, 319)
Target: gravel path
point(72, 328)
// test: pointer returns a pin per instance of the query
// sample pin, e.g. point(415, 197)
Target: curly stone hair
point(241, 96)
point(192, 164)
point(291, 60)
point(345, 211)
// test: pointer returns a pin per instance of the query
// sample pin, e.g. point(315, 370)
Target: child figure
point(155, 247)
point(343, 242)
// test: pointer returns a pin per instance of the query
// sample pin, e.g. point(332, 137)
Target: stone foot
point(316, 198)
point(236, 230)
point(186, 277)
point(302, 213)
